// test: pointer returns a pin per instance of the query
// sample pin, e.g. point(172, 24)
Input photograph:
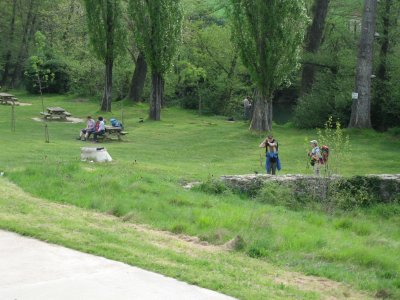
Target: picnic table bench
point(111, 132)
point(55, 113)
point(8, 99)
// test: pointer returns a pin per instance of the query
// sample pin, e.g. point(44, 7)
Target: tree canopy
point(157, 27)
point(269, 35)
point(106, 36)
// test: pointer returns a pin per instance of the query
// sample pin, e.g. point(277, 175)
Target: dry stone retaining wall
point(385, 186)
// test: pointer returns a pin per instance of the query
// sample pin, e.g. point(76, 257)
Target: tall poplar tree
point(106, 37)
point(269, 35)
point(157, 25)
point(361, 107)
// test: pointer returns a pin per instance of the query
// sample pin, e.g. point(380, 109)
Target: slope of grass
point(143, 185)
point(205, 265)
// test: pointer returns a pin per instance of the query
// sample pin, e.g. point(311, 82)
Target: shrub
point(355, 192)
point(59, 82)
point(329, 97)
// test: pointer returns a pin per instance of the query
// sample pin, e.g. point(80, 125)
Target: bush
point(329, 97)
point(58, 81)
point(355, 192)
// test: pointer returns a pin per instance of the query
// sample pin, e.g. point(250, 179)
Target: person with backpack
point(272, 161)
point(316, 157)
point(100, 129)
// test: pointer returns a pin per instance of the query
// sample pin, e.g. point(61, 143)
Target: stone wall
point(385, 186)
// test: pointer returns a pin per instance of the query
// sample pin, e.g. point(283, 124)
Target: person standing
point(316, 157)
point(272, 161)
point(246, 108)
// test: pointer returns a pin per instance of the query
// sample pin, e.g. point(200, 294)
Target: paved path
point(31, 269)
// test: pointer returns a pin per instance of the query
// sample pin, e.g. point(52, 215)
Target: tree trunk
point(107, 95)
point(361, 107)
point(262, 112)
point(382, 69)
point(138, 79)
point(230, 81)
point(156, 96)
point(68, 22)
point(10, 44)
point(313, 42)
point(382, 91)
point(109, 61)
point(27, 31)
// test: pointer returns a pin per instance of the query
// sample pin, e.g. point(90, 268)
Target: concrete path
point(31, 269)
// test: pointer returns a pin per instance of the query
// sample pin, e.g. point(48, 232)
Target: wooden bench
point(110, 133)
point(55, 113)
point(45, 115)
point(8, 99)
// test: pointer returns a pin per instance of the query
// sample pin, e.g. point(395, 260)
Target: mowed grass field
point(143, 185)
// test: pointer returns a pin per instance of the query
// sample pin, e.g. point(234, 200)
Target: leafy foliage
point(157, 26)
point(102, 16)
point(268, 35)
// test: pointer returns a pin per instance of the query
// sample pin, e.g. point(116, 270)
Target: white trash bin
point(95, 154)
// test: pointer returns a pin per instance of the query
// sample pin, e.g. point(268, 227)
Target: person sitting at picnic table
point(100, 129)
point(86, 132)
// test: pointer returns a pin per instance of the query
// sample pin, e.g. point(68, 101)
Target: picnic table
point(55, 113)
point(111, 131)
point(8, 99)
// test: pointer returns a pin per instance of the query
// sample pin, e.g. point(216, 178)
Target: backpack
point(324, 153)
point(116, 123)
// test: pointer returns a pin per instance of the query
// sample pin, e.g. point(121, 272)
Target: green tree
point(157, 26)
point(361, 107)
point(106, 37)
point(269, 35)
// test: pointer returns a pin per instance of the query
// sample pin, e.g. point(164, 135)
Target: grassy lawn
point(144, 186)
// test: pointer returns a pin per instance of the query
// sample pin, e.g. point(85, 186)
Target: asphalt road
point(32, 269)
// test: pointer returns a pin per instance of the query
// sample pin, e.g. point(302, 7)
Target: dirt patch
point(193, 240)
point(25, 104)
point(329, 289)
point(71, 120)
point(235, 244)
